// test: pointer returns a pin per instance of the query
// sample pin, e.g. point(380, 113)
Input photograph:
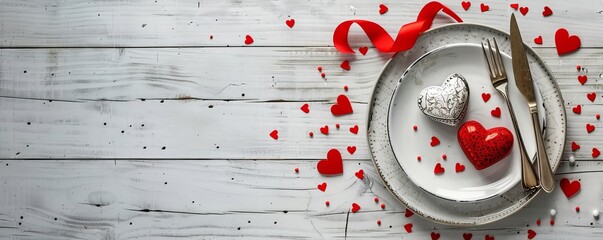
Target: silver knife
point(523, 80)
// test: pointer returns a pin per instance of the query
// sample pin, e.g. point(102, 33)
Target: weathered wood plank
point(69, 23)
point(265, 199)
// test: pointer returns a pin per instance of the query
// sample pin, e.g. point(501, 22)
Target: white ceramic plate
point(497, 190)
point(432, 69)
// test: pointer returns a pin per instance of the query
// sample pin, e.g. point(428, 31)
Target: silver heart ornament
point(447, 103)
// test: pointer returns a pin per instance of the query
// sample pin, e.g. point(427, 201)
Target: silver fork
point(498, 76)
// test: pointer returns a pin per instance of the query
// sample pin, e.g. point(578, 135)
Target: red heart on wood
point(495, 112)
point(484, 7)
point(595, 153)
point(591, 96)
point(575, 146)
point(484, 147)
point(486, 97)
point(290, 23)
point(569, 188)
point(408, 227)
point(325, 130)
point(322, 186)
point(590, 128)
point(274, 134)
point(434, 141)
point(488, 237)
point(305, 108)
point(531, 234)
point(248, 39)
point(466, 5)
point(435, 236)
point(524, 10)
point(467, 236)
point(342, 106)
point(351, 149)
point(382, 9)
point(408, 213)
point(363, 50)
point(582, 79)
point(577, 109)
point(547, 11)
point(459, 167)
point(538, 40)
point(514, 5)
point(360, 174)
point(438, 169)
point(332, 165)
point(345, 65)
point(566, 43)
point(354, 129)
point(355, 207)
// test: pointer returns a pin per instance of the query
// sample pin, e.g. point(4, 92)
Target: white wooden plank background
point(68, 67)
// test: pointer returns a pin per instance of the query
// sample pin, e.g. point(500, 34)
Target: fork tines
point(494, 60)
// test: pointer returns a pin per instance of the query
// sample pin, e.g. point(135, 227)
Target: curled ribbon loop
point(406, 38)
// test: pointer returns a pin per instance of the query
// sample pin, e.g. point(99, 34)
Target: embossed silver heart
point(447, 103)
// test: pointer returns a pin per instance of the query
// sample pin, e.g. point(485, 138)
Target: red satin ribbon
point(407, 36)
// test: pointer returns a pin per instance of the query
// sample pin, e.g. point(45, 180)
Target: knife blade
point(525, 84)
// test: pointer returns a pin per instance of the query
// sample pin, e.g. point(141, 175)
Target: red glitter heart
point(332, 165)
point(248, 39)
point(305, 108)
point(577, 109)
point(355, 207)
point(569, 188)
point(408, 227)
point(459, 167)
point(547, 11)
point(514, 5)
point(354, 129)
point(325, 130)
point(524, 10)
point(566, 43)
point(538, 40)
point(382, 9)
point(351, 149)
point(434, 141)
point(484, 7)
point(435, 236)
point(345, 65)
point(342, 106)
point(531, 234)
point(590, 128)
point(360, 174)
point(408, 213)
point(363, 50)
point(582, 79)
point(595, 153)
point(575, 146)
point(290, 23)
point(486, 97)
point(274, 134)
point(591, 96)
point(466, 5)
point(467, 236)
point(484, 147)
point(495, 112)
point(322, 186)
point(438, 169)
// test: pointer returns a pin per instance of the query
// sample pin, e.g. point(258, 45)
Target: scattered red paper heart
point(467, 236)
point(360, 174)
point(322, 186)
point(459, 167)
point(484, 7)
point(591, 96)
point(495, 112)
point(547, 11)
point(582, 79)
point(342, 106)
point(325, 130)
point(514, 5)
point(351, 149)
point(363, 50)
point(354, 129)
point(435, 236)
point(248, 40)
point(290, 23)
point(355, 207)
point(332, 165)
point(575, 146)
point(488, 237)
point(538, 40)
point(595, 153)
point(382, 9)
point(531, 234)
point(438, 169)
point(486, 97)
point(408, 213)
point(524, 10)
point(466, 5)
point(565, 43)
point(408, 227)
point(569, 188)
point(345, 65)
point(577, 109)
point(590, 128)
point(274, 134)
point(305, 108)
point(434, 141)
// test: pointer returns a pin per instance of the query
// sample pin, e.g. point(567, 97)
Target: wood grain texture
point(130, 199)
point(136, 23)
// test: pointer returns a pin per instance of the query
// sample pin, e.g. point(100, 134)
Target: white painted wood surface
point(68, 67)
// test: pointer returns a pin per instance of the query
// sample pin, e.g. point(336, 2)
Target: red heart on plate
point(408, 227)
point(382, 9)
point(582, 79)
point(538, 40)
point(484, 7)
point(434, 141)
point(332, 165)
point(547, 11)
point(305, 108)
point(354, 129)
point(363, 50)
point(514, 5)
point(248, 39)
point(274, 134)
point(577, 109)
point(524, 10)
point(575, 146)
point(290, 23)
point(569, 188)
point(486, 97)
point(488, 237)
point(351, 149)
point(342, 107)
point(360, 174)
point(531, 234)
point(355, 207)
point(590, 128)
point(322, 186)
point(495, 112)
point(345, 65)
point(566, 43)
point(591, 96)
point(595, 153)
point(459, 167)
point(435, 236)
point(408, 213)
point(466, 5)
point(467, 236)
point(438, 169)
point(484, 147)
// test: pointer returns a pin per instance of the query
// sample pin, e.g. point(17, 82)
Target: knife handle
point(544, 168)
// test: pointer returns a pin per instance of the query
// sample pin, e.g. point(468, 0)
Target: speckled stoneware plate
point(470, 197)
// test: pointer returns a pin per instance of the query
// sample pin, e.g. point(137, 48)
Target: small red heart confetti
point(360, 174)
point(408, 227)
point(514, 5)
point(345, 65)
point(590, 128)
point(248, 39)
point(582, 79)
point(486, 97)
point(495, 112)
point(547, 11)
point(538, 40)
point(524, 10)
point(408, 213)
point(319, 69)
point(591, 96)
point(322, 186)
point(575, 146)
point(325, 130)
point(435, 236)
point(355, 207)
point(552, 222)
point(378, 222)
point(467, 236)
point(566, 43)
point(595, 153)
point(538, 222)
point(363, 50)
point(466, 5)
point(274, 134)
point(383, 206)
point(419, 158)
point(290, 23)
point(337, 125)
point(382, 9)
point(296, 170)
point(327, 203)
point(484, 7)
point(345, 88)
point(354, 129)
point(577, 109)
point(459, 167)
point(531, 234)
point(305, 108)
point(351, 149)
point(569, 188)
point(438, 169)
point(434, 141)
point(342, 106)
point(488, 237)
point(376, 200)
point(332, 165)
point(311, 134)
